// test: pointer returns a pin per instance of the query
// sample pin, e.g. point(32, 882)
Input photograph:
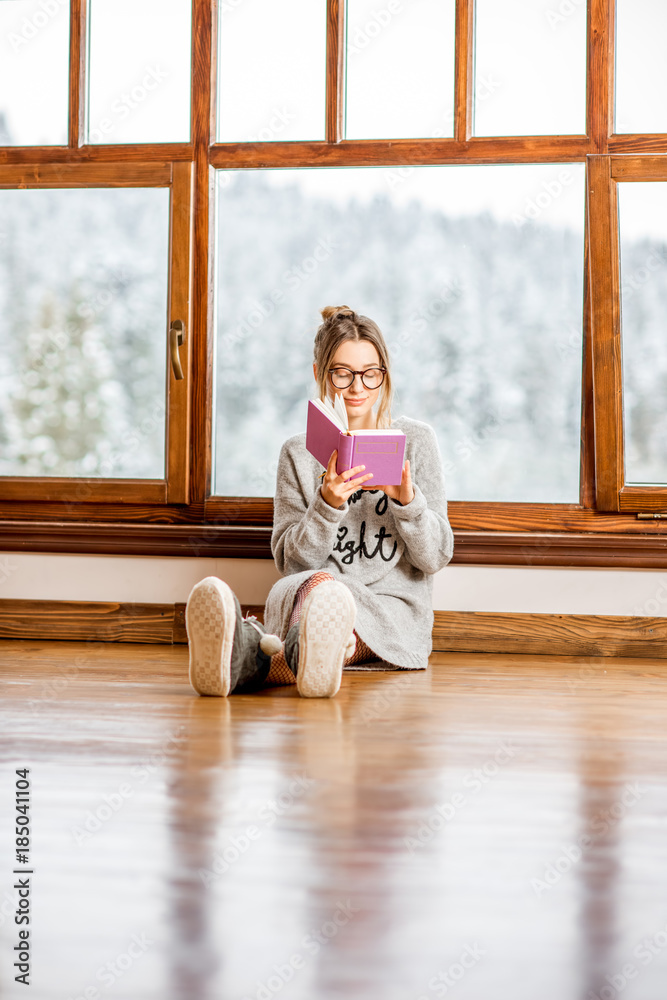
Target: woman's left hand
point(404, 493)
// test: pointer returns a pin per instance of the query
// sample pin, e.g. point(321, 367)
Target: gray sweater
point(385, 553)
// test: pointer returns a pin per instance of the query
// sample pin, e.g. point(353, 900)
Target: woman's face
point(357, 355)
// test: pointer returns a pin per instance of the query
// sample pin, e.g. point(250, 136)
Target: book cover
point(381, 451)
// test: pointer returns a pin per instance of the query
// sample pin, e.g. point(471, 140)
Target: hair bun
point(334, 312)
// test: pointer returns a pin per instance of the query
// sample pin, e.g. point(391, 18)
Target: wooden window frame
point(174, 487)
point(591, 532)
point(613, 493)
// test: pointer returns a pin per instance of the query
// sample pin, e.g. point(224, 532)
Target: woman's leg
point(281, 673)
point(362, 654)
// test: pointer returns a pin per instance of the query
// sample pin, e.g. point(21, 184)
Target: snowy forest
point(482, 316)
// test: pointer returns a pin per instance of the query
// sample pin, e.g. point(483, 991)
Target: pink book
point(382, 452)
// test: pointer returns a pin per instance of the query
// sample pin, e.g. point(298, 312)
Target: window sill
point(484, 547)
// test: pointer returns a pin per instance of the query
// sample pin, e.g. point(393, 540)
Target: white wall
point(166, 580)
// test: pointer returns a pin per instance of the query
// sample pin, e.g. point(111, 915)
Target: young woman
point(356, 557)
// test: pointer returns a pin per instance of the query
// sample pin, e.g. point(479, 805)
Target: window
point(491, 192)
point(400, 69)
point(92, 277)
point(85, 278)
point(521, 50)
point(145, 95)
point(477, 270)
point(34, 46)
point(628, 236)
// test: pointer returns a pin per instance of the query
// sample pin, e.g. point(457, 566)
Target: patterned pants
point(280, 673)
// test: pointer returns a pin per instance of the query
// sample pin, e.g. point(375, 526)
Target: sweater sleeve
point(304, 525)
point(423, 523)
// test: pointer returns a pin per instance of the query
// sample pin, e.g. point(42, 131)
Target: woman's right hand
point(336, 490)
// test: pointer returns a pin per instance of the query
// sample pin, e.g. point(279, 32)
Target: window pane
point(530, 67)
point(83, 290)
point(641, 87)
point(34, 48)
point(474, 273)
point(272, 70)
point(400, 69)
point(139, 71)
point(643, 232)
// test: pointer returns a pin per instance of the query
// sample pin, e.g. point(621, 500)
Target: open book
point(327, 430)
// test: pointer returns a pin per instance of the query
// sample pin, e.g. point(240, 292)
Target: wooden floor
point(493, 828)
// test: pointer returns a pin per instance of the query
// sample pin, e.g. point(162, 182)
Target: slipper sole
point(210, 621)
point(327, 620)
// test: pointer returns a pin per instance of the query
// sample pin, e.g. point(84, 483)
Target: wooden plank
point(600, 72)
point(449, 793)
point(335, 86)
point(82, 491)
point(77, 72)
point(558, 635)
point(502, 816)
point(86, 621)
point(639, 168)
point(647, 550)
point(493, 518)
point(587, 428)
point(179, 391)
point(67, 175)
point(243, 512)
point(86, 155)
point(401, 152)
point(565, 518)
point(456, 631)
point(644, 498)
point(203, 62)
point(638, 144)
point(606, 332)
point(136, 539)
point(543, 549)
point(463, 70)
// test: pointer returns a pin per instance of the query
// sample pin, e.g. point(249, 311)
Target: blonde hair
point(340, 323)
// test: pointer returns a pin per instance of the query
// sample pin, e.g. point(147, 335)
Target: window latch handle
point(176, 338)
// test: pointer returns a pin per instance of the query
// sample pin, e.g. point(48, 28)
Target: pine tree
point(62, 395)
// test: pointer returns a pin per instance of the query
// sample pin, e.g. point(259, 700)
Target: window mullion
point(606, 324)
point(77, 72)
point(463, 98)
point(335, 69)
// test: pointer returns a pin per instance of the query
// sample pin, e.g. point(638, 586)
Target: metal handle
point(176, 338)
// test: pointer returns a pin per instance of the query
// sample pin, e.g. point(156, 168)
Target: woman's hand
point(336, 489)
point(404, 493)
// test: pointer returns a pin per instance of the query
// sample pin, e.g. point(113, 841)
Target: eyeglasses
point(342, 378)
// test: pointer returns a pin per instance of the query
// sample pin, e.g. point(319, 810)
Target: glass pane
point(139, 71)
point(475, 275)
point(83, 290)
point(400, 69)
point(643, 234)
point(34, 48)
point(272, 70)
point(530, 67)
point(641, 86)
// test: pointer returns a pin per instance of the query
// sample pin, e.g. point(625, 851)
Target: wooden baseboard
point(559, 635)
point(455, 631)
point(95, 621)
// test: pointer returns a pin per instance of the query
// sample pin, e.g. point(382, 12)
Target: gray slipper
point(228, 653)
